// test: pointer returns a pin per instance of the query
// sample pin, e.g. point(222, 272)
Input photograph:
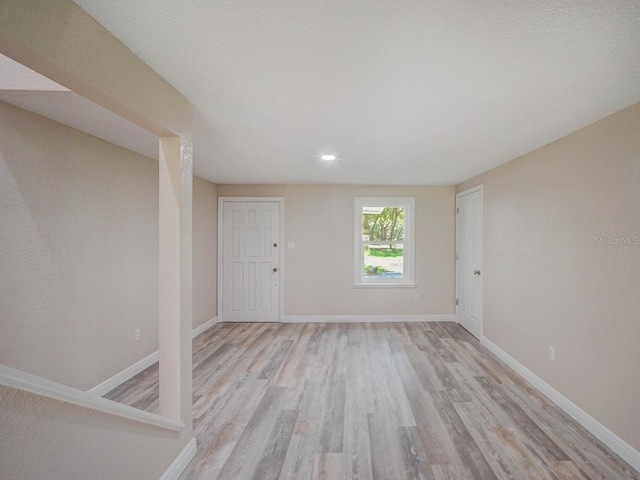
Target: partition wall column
point(175, 236)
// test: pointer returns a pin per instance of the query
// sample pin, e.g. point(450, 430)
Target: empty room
point(319, 240)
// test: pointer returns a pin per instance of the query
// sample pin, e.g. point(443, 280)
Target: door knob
point(476, 272)
point(275, 269)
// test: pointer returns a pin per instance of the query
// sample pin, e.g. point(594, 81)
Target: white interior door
point(469, 260)
point(250, 261)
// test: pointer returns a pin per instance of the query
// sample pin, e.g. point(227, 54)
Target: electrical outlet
point(552, 353)
point(416, 297)
point(137, 335)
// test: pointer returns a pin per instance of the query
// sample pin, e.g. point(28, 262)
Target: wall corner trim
point(448, 317)
point(182, 461)
point(131, 371)
point(597, 429)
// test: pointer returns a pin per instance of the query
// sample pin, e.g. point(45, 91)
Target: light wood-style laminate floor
point(370, 401)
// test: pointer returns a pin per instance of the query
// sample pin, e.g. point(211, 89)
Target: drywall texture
point(44, 439)
point(205, 239)
point(318, 273)
point(562, 266)
point(79, 251)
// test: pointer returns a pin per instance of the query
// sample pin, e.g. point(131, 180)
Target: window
point(384, 241)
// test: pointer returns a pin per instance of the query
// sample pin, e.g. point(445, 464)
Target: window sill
point(384, 285)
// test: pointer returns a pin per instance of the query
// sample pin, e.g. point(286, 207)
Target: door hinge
point(457, 257)
point(456, 301)
point(457, 210)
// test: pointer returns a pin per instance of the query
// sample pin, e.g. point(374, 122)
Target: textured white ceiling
point(404, 91)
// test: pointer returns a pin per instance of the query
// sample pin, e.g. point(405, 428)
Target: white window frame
point(406, 203)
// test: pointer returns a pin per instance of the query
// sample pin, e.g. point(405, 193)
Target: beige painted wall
point(205, 240)
point(79, 251)
point(319, 271)
point(550, 280)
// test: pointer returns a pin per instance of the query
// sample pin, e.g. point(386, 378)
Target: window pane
point(383, 240)
point(383, 261)
point(383, 224)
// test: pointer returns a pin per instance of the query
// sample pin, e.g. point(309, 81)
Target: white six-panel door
point(250, 261)
point(469, 260)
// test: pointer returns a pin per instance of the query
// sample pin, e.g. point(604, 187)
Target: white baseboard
point(204, 327)
point(597, 429)
point(129, 372)
point(367, 318)
point(121, 377)
point(181, 462)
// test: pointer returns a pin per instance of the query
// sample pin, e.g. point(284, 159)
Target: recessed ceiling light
point(327, 157)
